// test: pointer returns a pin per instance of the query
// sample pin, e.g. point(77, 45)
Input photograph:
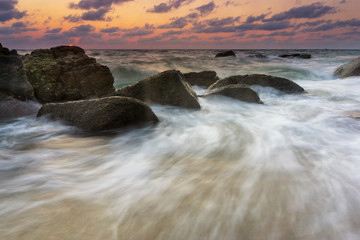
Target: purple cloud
point(167, 7)
point(8, 10)
point(206, 9)
point(314, 10)
point(110, 30)
point(138, 32)
point(54, 30)
point(96, 4)
point(96, 15)
point(252, 19)
point(79, 31)
point(72, 18)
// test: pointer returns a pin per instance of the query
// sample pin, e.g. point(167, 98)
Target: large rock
point(237, 91)
point(226, 54)
point(205, 78)
point(100, 114)
point(296, 55)
point(66, 73)
point(13, 78)
point(279, 83)
point(349, 69)
point(166, 88)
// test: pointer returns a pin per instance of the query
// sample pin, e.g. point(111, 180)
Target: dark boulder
point(13, 78)
point(237, 91)
point(101, 114)
point(205, 78)
point(349, 69)
point(279, 83)
point(166, 88)
point(66, 73)
point(226, 54)
point(296, 55)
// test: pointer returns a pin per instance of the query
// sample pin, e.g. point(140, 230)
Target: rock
point(226, 54)
point(14, 108)
point(66, 73)
point(101, 114)
point(237, 91)
point(279, 83)
point(205, 78)
point(349, 69)
point(13, 78)
point(296, 55)
point(166, 88)
point(257, 55)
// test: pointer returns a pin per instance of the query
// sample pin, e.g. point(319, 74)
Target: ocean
point(288, 169)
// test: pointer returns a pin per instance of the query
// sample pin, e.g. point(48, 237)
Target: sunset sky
point(240, 24)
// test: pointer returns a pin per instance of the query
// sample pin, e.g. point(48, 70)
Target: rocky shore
point(65, 84)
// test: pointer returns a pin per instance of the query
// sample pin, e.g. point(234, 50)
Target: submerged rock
point(66, 73)
point(101, 114)
point(13, 78)
point(205, 78)
point(279, 83)
point(11, 107)
point(296, 55)
point(349, 69)
point(226, 54)
point(166, 88)
point(257, 55)
point(237, 91)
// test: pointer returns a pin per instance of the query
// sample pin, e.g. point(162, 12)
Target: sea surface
point(285, 170)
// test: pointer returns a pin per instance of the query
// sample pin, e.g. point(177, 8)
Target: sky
point(180, 24)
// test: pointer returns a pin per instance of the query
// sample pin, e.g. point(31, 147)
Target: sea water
point(287, 169)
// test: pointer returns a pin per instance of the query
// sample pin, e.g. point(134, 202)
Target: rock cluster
point(78, 91)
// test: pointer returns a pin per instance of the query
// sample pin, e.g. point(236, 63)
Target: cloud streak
point(167, 7)
point(314, 10)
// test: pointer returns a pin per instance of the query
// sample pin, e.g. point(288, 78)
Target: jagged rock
point(66, 73)
point(13, 78)
point(279, 83)
point(226, 54)
point(205, 78)
point(237, 91)
point(166, 88)
point(101, 114)
point(349, 69)
point(296, 55)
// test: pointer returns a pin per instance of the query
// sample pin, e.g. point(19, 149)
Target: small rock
point(226, 54)
point(349, 69)
point(279, 83)
point(237, 91)
point(205, 78)
point(258, 55)
point(14, 108)
point(296, 55)
point(166, 88)
point(101, 114)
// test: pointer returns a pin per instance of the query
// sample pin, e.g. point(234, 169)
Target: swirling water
point(288, 169)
